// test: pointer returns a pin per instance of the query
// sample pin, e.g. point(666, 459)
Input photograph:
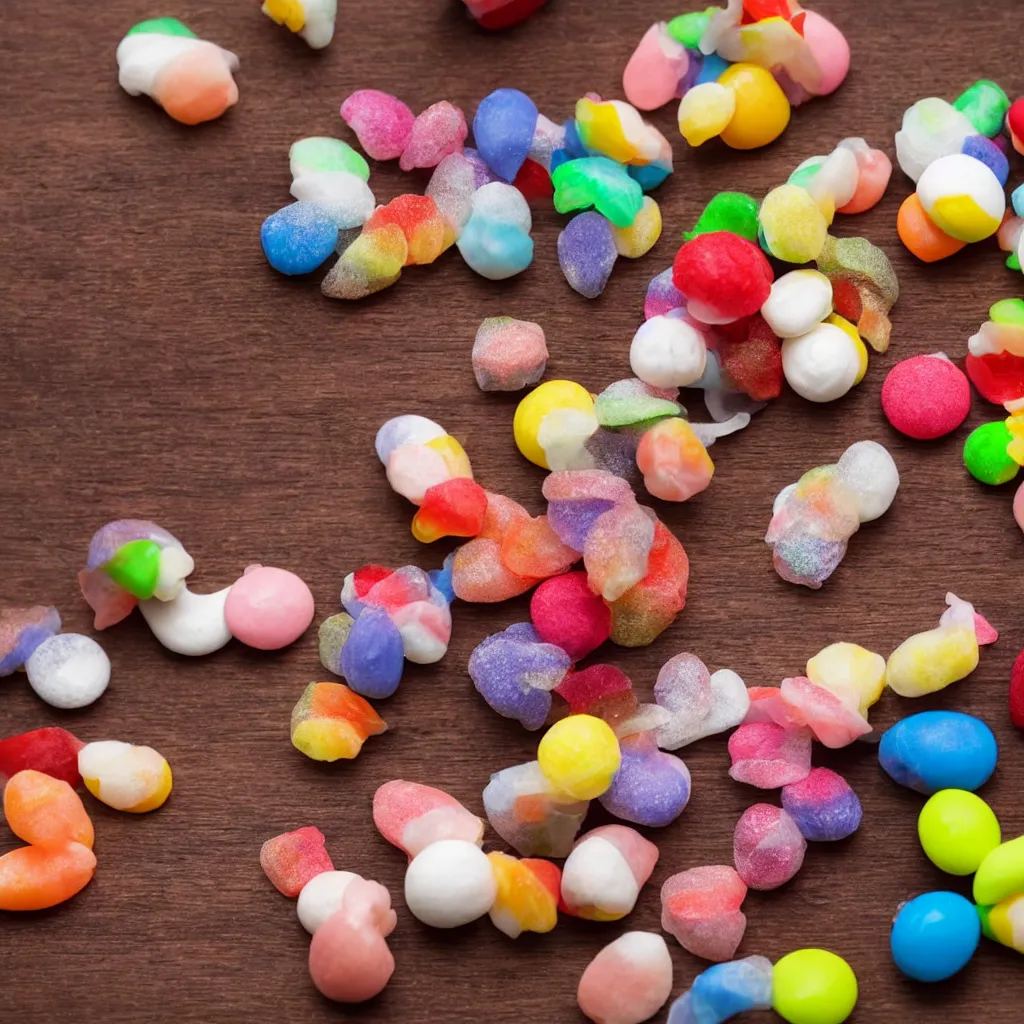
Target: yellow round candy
point(579, 756)
point(794, 228)
point(705, 111)
point(862, 350)
point(958, 830)
point(849, 669)
point(551, 395)
point(638, 239)
point(762, 110)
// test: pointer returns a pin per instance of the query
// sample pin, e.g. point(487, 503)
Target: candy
point(68, 670)
point(22, 630)
point(823, 364)
point(835, 722)
point(642, 235)
point(52, 751)
point(411, 816)
point(926, 396)
point(450, 883)
point(452, 185)
point(124, 776)
point(290, 860)
point(668, 352)
point(587, 252)
point(322, 897)
point(958, 830)
point(370, 264)
point(675, 464)
point(508, 354)
point(189, 624)
point(874, 169)
point(701, 908)
point(322, 153)
point(426, 231)
point(599, 182)
point(735, 212)
point(1000, 874)
point(724, 990)
point(268, 608)
point(797, 303)
point(479, 575)
point(761, 108)
point(603, 876)
point(45, 812)
point(813, 986)
point(823, 806)
point(1002, 923)
point(341, 197)
point(527, 895)
point(331, 722)
point(495, 241)
point(853, 673)
point(1016, 692)
point(724, 276)
point(538, 405)
point(503, 129)
point(963, 197)
point(629, 981)
point(650, 788)
point(299, 238)
point(767, 847)
point(794, 227)
point(381, 122)
point(986, 456)
point(921, 235)
point(654, 70)
point(701, 704)
point(579, 755)
point(932, 129)
point(189, 77)
point(312, 20)
point(37, 877)
point(768, 756)
point(567, 614)
point(437, 131)
point(934, 936)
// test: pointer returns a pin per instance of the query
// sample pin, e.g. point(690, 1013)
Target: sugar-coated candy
point(452, 185)
point(527, 894)
point(851, 672)
point(823, 806)
point(705, 112)
point(768, 756)
point(508, 354)
point(701, 908)
point(498, 14)
point(531, 816)
point(835, 721)
point(1000, 875)
point(322, 897)
point(668, 352)
point(411, 816)
point(813, 986)
point(767, 846)
point(701, 703)
point(290, 860)
point(371, 263)
point(189, 77)
point(479, 574)
point(503, 130)
point(655, 69)
point(341, 197)
point(674, 462)
point(312, 20)
point(963, 197)
point(190, 624)
point(603, 691)
point(934, 935)
point(603, 876)
point(450, 883)
point(634, 403)
point(926, 396)
point(587, 252)
point(725, 277)
point(553, 396)
point(437, 131)
point(793, 225)
point(932, 129)
point(299, 238)
point(124, 776)
point(617, 552)
point(532, 548)
point(734, 212)
point(331, 722)
point(651, 787)
point(43, 811)
point(642, 235)
point(322, 153)
point(268, 608)
point(599, 182)
point(986, 105)
point(987, 454)
point(628, 981)
point(495, 241)
point(427, 233)
point(22, 630)
point(797, 303)
point(958, 830)
point(725, 990)
point(823, 364)
point(37, 877)
point(761, 111)
point(580, 756)
point(937, 750)
point(566, 613)
point(52, 751)
point(68, 670)
point(1016, 695)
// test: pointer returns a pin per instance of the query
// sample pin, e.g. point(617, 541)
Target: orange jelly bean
point(921, 235)
point(37, 877)
point(45, 811)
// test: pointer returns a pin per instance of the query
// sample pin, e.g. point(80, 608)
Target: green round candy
point(814, 986)
point(1013, 261)
point(1007, 311)
point(985, 106)
point(728, 211)
point(1001, 874)
point(136, 567)
point(958, 830)
point(321, 153)
point(689, 28)
point(985, 454)
point(162, 27)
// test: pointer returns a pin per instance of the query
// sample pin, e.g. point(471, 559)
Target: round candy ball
point(963, 197)
point(68, 670)
point(298, 238)
point(798, 302)
point(668, 352)
point(450, 883)
point(349, 964)
point(530, 413)
point(579, 756)
point(935, 935)
point(813, 986)
point(567, 613)
point(985, 454)
point(762, 109)
point(926, 397)
point(725, 277)
point(268, 608)
point(821, 365)
point(320, 898)
point(957, 831)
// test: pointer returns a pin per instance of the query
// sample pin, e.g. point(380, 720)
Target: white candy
point(321, 898)
point(344, 195)
point(68, 670)
point(142, 58)
point(421, 644)
point(821, 365)
point(504, 204)
point(962, 175)
point(932, 128)
point(597, 875)
point(175, 564)
point(407, 429)
point(667, 352)
point(319, 17)
point(191, 624)
point(798, 302)
point(127, 774)
point(563, 434)
point(449, 884)
point(869, 471)
point(835, 182)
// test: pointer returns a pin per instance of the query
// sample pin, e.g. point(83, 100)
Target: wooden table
point(154, 366)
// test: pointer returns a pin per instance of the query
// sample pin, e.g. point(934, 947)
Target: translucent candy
point(299, 238)
point(768, 756)
point(22, 630)
point(768, 848)
point(381, 122)
point(833, 722)
point(498, 14)
point(322, 153)
point(371, 263)
point(853, 673)
point(674, 463)
point(453, 508)
point(124, 776)
point(634, 403)
point(503, 130)
point(411, 816)
point(602, 691)
point(565, 612)
point(724, 276)
point(480, 575)
point(331, 722)
point(496, 241)
point(701, 704)
point(437, 131)
point(344, 197)
point(752, 364)
point(601, 183)
point(427, 233)
point(874, 169)
point(655, 68)
point(45, 812)
point(452, 185)
point(554, 420)
point(587, 252)
point(603, 876)
point(292, 859)
point(528, 892)
point(628, 981)
point(823, 806)
point(616, 554)
point(508, 354)
point(52, 751)
point(725, 990)
point(931, 129)
point(701, 908)
point(651, 788)
point(705, 112)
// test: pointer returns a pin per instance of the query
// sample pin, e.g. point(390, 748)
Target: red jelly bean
point(926, 397)
point(52, 751)
point(724, 274)
point(534, 182)
point(565, 612)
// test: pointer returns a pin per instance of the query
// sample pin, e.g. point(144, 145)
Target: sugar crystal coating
point(823, 806)
point(411, 816)
point(768, 756)
point(508, 354)
point(51, 750)
point(628, 981)
point(768, 848)
point(650, 788)
point(126, 776)
point(701, 908)
point(603, 876)
point(725, 990)
point(290, 860)
point(331, 722)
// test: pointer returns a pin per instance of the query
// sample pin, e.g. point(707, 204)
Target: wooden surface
point(153, 366)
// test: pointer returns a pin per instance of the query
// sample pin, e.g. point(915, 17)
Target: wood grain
point(153, 366)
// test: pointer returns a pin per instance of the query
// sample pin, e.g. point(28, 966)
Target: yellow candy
point(286, 12)
point(1005, 922)
point(616, 129)
point(455, 457)
point(930, 661)
point(762, 110)
point(964, 216)
point(1015, 449)
point(705, 111)
point(551, 395)
point(862, 350)
point(638, 239)
point(794, 228)
point(579, 756)
point(126, 777)
point(523, 903)
point(849, 671)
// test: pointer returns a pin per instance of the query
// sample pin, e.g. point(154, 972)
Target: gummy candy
point(580, 756)
point(411, 816)
point(370, 264)
point(701, 704)
point(813, 986)
point(268, 608)
point(331, 722)
point(602, 691)
point(642, 235)
point(290, 860)
point(701, 908)
point(450, 883)
point(674, 462)
point(634, 403)
point(766, 755)
point(926, 396)
point(874, 169)
point(725, 277)
point(958, 831)
point(724, 990)
point(566, 613)
point(599, 182)
point(603, 876)
point(498, 14)
point(68, 670)
point(299, 238)
point(190, 624)
point(313, 20)
point(527, 895)
point(495, 242)
point(52, 751)
point(532, 548)
point(823, 806)
point(668, 352)
point(934, 935)
point(37, 877)
point(381, 122)
point(853, 673)
point(587, 252)
point(508, 354)
point(503, 130)
point(1001, 874)
point(479, 574)
point(22, 630)
point(650, 788)
point(797, 303)
point(46, 812)
point(189, 77)
point(753, 364)
point(768, 848)
point(628, 981)
point(124, 776)
point(836, 722)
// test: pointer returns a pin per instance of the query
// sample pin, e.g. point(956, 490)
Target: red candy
point(502, 15)
point(725, 274)
point(292, 859)
point(1015, 122)
point(565, 612)
point(753, 362)
point(534, 182)
point(455, 508)
point(1017, 692)
point(532, 548)
point(420, 221)
point(998, 378)
point(52, 751)
point(926, 397)
point(600, 690)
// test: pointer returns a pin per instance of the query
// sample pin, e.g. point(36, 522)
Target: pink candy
point(701, 908)
point(268, 608)
point(766, 755)
point(412, 816)
point(382, 122)
point(605, 872)
point(565, 612)
point(508, 354)
point(652, 76)
point(767, 847)
point(438, 131)
point(833, 723)
point(628, 981)
point(292, 859)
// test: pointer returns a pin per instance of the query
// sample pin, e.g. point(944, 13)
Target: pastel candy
point(427, 233)
point(851, 672)
point(22, 630)
point(527, 895)
point(603, 691)
point(299, 238)
point(503, 130)
point(605, 872)
point(662, 296)
point(798, 302)
point(190, 624)
point(45, 812)
point(651, 787)
point(674, 463)
point(495, 241)
point(290, 860)
point(587, 252)
point(322, 897)
point(823, 806)
point(668, 352)
point(450, 883)
point(508, 354)
point(341, 197)
point(599, 182)
point(725, 990)
point(323, 153)
point(833, 722)
point(437, 131)
point(701, 704)
point(411, 816)
point(125, 776)
point(68, 670)
point(331, 722)
point(580, 756)
point(931, 129)
point(766, 755)
point(653, 72)
point(701, 908)
point(268, 608)
point(768, 848)
point(628, 981)
point(480, 575)
point(372, 658)
point(311, 20)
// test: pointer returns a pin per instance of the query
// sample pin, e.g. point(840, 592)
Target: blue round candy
point(503, 129)
point(937, 750)
point(298, 238)
point(985, 150)
point(495, 250)
point(587, 253)
point(935, 935)
point(374, 655)
point(1018, 200)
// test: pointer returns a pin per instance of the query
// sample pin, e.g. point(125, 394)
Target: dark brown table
point(154, 366)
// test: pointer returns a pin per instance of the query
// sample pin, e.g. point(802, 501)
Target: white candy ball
point(597, 875)
point(821, 365)
point(798, 302)
point(962, 177)
point(869, 471)
point(321, 898)
point(667, 352)
point(407, 429)
point(68, 670)
point(450, 883)
point(502, 203)
point(192, 624)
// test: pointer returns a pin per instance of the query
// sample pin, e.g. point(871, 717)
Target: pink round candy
point(382, 122)
point(652, 75)
point(629, 981)
point(830, 49)
point(766, 755)
point(767, 847)
point(1018, 506)
point(268, 608)
point(926, 397)
point(567, 613)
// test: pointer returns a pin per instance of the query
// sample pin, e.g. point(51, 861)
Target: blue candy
point(298, 238)
point(373, 656)
point(1018, 200)
point(574, 519)
point(650, 788)
point(935, 935)
point(723, 991)
point(441, 578)
point(937, 750)
point(503, 129)
point(650, 176)
point(989, 154)
point(587, 253)
point(494, 250)
point(712, 69)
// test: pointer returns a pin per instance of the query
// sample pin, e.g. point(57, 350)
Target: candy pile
point(1011, 231)
point(311, 20)
point(738, 69)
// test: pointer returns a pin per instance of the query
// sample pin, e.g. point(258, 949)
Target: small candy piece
point(958, 830)
point(798, 302)
point(68, 670)
point(504, 14)
point(768, 756)
point(453, 508)
point(674, 462)
point(535, 408)
point(655, 69)
point(701, 908)
point(629, 981)
point(124, 776)
point(437, 131)
point(411, 816)
point(43, 811)
point(322, 153)
point(381, 122)
point(617, 551)
point(963, 197)
point(566, 613)
point(821, 365)
point(668, 352)
point(986, 456)
point(331, 722)
point(341, 197)
point(268, 608)
point(495, 241)
point(37, 877)
point(834, 722)
point(450, 883)
point(322, 897)
point(580, 756)
point(479, 574)
point(371, 263)
point(701, 704)
point(1001, 923)
point(734, 212)
point(52, 751)
point(794, 227)
point(299, 238)
point(725, 275)
point(603, 876)
point(767, 847)
point(1001, 874)
point(452, 185)
point(190, 624)
point(22, 630)
point(813, 986)
point(762, 110)
point(823, 806)
point(853, 673)
point(532, 548)
point(926, 396)
point(921, 235)
point(874, 169)
point(427, 233)
point(725, 990)
point(934, 935)
point(650, 788)
point(587, 251)
point(291, 859)
point(932, 129)
point(508, 354)
point(527, 895)
point(705, 112)
point(312, 20)
point(599, 182)
point(663, 296)
point(503, 130)
point(331, 639)
point(985, 105)
point(641, 236)
point(1016, 690)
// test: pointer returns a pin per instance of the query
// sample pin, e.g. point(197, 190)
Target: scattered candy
point(52, 751)
point(37, 877)
point(768, 848)
point(495, 241)
point(813, 986)
point(68, 670)
point(957, 831)
point(934, 936)
point(290, 860)
point(724, 990)
point(629, 981)
point(527, 895)
point(823, 806)
point(508, 354)
point(22, 630)
point(1001, 874)
point(331, 722)
point(580, 756)
point(926, 396)
point(768, 756)
point(312, 20)
point(605, 872)
point(587, 251)
point(503, 130)
point(411, 816)
point(45, 812)
point(701, 703)
point(450, 883)
point(701, 908)
point(852, 673)
point(268, 608)
point(381, 122)
point(124, 776)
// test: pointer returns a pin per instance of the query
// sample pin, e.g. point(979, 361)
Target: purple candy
point(651, 787)
point(573, 520)
point(586, 253)
point(614, 451)
point(823, 806)
point(662, 296)
point(985, 150)
point(22, 630)
point(373, 656)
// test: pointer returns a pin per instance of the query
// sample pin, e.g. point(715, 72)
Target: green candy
point(1001, 874)
point(1013, 261)
point(805, 173)
point(623, 405)
point(1008, 311)
point(958, 830)
point(599, 182)
point(985, 106)
point(689, 28)
point(728, 211)
point(813, 986)
point(161, 27)
point(985, 454)
point(136, 567)
point(321, 153)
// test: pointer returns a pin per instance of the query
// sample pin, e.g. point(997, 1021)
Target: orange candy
point(921, 235)
point(532, 548)
point(331, 722)
point(37, 877)
point(46, 812)
point(426, 232)
point(196, 86)
point(455, 508)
